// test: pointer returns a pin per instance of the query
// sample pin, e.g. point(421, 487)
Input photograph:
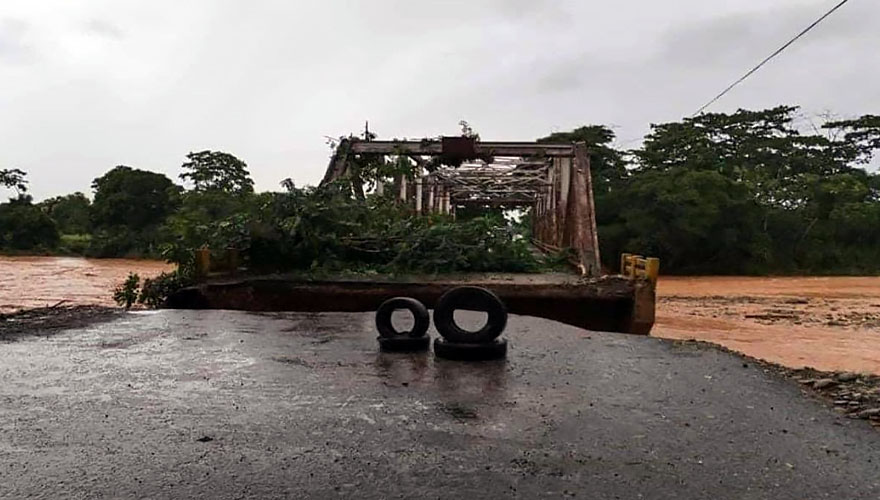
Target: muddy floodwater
point(27, 282)
point(830, 324)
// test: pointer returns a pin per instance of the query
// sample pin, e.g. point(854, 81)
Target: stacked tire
point(465, 345)
point(390, 340)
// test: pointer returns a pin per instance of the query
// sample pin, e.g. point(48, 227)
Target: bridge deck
point(609, 303)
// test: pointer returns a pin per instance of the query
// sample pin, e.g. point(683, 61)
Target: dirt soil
point(829, 324)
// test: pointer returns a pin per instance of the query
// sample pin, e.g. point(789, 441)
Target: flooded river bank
point(28, 282)
point(827, 323)
point(830, 323)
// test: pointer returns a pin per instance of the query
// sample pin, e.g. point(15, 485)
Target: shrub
point(127, 293)
point(156, 290)
point(74, 244)
point(326, 229)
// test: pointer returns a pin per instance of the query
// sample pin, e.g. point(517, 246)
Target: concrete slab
point(214, 404)
point(607, 303)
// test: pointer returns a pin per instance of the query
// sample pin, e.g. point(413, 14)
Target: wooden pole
point(564, 171)
point(580, 220)
point(419, 181)
point(550, 236)
point(581, 151)
point(430, 195)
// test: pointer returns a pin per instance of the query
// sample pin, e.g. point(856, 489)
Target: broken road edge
point(608, 303)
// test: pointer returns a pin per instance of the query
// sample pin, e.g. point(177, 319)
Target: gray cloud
point(14, 48)
point(104, 28)
point(748, 37)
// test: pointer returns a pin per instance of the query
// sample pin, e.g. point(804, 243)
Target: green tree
point(762, 149)
point(132, 198)
point(217, 171)
point(14, 179)
point(71, 212)
point(129, 209)
point(807, 182)
point(607, 164)
point(222, 194)
point(697, 221)
point(860, 136)
point(24, 227)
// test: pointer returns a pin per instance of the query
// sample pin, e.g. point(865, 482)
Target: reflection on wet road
point(214, 404)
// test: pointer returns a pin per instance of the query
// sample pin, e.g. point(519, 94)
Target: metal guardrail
point(637, 266)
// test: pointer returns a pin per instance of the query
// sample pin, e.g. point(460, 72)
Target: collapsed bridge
point(552, 179)
point(439, 176)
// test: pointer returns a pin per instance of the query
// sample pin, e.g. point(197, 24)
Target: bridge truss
point(553, 180)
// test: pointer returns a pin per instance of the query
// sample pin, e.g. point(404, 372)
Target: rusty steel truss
point(552, 179)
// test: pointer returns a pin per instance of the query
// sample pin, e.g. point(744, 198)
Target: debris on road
point(48, 320)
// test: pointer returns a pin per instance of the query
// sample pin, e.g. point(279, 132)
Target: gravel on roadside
point(855, 395)
point(45, 321)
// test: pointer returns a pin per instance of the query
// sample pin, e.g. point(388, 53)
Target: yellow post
point(634, 266)
point(203, 262)
point(624, 260)
point(652, 269)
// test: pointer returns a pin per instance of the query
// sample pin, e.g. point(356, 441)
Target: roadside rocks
point(869, 414)
point(823, 384)
point(872, 414)
point(855, 395)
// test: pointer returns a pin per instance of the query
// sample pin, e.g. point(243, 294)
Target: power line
point(771, 56)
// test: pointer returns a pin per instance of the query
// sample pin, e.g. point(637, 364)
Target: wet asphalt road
point(181, 404)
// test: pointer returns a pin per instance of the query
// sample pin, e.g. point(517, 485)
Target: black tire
point(404, 343)
point(475, 299)
point(495, 349)
point(418, 310)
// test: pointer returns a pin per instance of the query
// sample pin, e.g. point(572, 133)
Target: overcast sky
point(89, 84)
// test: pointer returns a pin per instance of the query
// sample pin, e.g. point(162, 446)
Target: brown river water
point(829, 324)
point(27, 282)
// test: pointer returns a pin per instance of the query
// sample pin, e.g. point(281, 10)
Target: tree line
point(750, 192)
point(133, 212)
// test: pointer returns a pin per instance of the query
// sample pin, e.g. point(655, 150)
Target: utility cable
point(770, 57)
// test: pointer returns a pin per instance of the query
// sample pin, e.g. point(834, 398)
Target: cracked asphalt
point(215, 404)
